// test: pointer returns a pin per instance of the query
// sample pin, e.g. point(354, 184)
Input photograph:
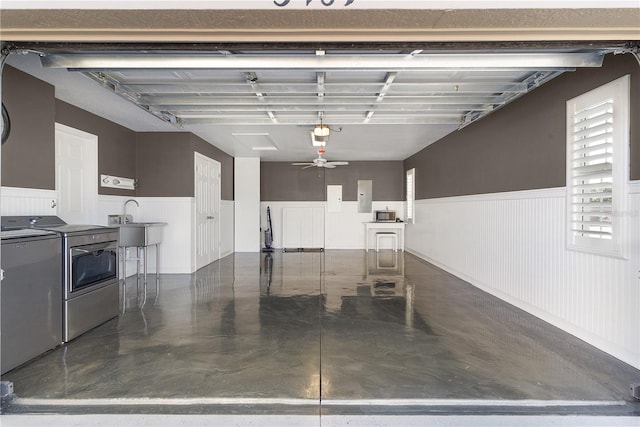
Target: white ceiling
point(380, 105)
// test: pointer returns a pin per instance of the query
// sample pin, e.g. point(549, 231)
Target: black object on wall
point(6, 124)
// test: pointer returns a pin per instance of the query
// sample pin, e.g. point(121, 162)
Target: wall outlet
point(119, 219)
point(114, 219)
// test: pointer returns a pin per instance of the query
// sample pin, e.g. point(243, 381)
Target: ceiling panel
point(354, 95)
point(379, 104)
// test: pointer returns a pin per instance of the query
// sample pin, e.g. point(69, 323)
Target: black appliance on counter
point(385, 216)
point(31, 295)
point(89, 270)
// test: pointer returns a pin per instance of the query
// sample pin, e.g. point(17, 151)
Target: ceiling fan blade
point(303, 164)
point(337, 163)
point(309, 166)
point(328, 165)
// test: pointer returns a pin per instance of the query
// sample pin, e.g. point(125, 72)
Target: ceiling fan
point(321, 162)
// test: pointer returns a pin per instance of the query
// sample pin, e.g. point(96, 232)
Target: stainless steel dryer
point(90, 271)
point(31, 295)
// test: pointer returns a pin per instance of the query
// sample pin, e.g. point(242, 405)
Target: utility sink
point(140, 233)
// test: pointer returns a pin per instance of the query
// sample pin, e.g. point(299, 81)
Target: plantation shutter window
point(592, 169)
point(411, 195)
point(597, 168)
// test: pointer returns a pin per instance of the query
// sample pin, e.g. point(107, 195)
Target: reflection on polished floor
point(338, 332)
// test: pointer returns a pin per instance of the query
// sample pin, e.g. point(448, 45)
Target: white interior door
point(76, 175)
point(207, 221)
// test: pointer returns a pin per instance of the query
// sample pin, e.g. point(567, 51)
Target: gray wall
point(28, 155)
point(165, 164)
point(164, 167)
point(280, 181)
point(116, 144)
point(523, 145)
point(386, 176)
point(162, 162)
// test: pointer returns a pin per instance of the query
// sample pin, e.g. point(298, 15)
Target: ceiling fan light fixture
point(318, 141)
point(321, 131)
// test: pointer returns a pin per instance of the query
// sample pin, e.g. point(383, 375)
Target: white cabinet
point(334, 198)
point(303, 227)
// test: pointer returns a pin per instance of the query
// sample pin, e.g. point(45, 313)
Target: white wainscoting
point(27, 201)
point(277, 217)
point(342, 230)
point(227, 228)
point(176, 248)
point(345, 230)
point(512, 245)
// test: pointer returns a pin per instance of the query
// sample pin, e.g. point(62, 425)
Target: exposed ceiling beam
point(252, 79)
point(387, 85)
point(320, 81)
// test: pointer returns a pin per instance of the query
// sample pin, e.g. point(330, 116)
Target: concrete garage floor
point(322, 339)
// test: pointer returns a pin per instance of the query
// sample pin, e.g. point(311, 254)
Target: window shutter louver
point(592, 170)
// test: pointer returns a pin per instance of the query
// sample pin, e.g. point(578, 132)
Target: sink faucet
point(124, 208)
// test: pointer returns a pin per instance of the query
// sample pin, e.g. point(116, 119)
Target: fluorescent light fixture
point(264, 148)
point(131, 60)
